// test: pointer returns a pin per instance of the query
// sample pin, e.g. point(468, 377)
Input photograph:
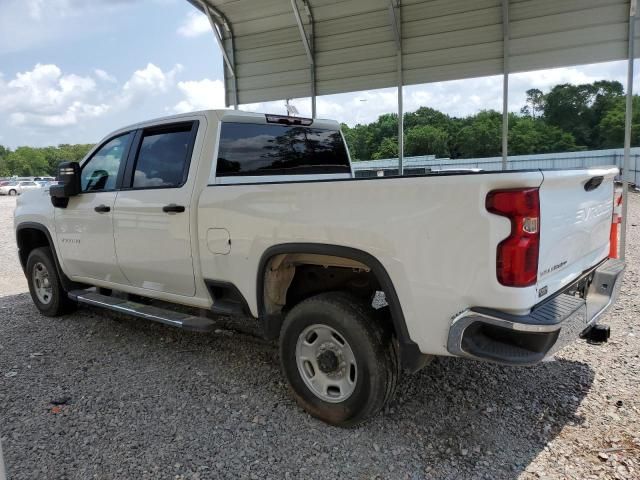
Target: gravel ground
point(141, 400)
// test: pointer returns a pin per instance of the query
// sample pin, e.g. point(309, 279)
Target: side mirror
point(68, 186)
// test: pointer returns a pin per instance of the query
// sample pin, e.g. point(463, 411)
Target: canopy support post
point(308, 42)
point(627, 128)
point(395, 13)
point(505, 83)
point(217, 25)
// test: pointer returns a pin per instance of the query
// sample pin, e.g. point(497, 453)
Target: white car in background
point(16, 188)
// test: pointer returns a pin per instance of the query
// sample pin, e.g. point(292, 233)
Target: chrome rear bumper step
point(487, 334)
point(148, 312)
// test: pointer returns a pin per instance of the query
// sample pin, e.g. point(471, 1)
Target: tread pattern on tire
point(61, 302)
point(380, 338)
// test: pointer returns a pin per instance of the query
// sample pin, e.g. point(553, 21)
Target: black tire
point(370, 342)
point(13, 192)
point(57, 302)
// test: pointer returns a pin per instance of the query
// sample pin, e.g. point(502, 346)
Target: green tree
point(535, 103)
point(26, 161)
point(528, 135)
point(611, 127)
point(426, 116)
point(359, 139)
point(579, 109)
point(388, 149)
point(482, 136)
point(426, 140)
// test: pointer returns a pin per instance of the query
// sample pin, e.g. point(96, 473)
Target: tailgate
point(575, 221)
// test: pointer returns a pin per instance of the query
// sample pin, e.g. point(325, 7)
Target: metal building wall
point(589, 158)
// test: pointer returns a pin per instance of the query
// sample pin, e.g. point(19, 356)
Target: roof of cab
point(225, 115)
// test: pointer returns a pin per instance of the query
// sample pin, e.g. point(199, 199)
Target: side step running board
point(148, 312)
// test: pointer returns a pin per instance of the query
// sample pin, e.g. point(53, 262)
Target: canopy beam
point(627, 127)
point(505, 83)
point(219, 24)
point(308, 42)
point(395, 15)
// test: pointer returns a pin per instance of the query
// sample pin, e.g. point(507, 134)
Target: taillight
point(517, 255)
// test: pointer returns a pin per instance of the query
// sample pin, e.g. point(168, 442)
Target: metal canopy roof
point(277, 49)
point(350, 45)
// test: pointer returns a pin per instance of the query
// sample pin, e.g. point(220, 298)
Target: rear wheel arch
point(410, 355)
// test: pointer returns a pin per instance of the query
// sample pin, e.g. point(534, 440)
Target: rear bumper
point(492, 335)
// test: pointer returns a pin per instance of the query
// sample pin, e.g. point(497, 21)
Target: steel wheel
point(41, 283)
point(326, 363)
point(338, 358)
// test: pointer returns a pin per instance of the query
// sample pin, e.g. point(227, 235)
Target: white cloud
point(194, 24)
point(34, 8)
point(147, 82)
point(47, 97)
point(104, 76)
point(151, 79)
point(200, 95)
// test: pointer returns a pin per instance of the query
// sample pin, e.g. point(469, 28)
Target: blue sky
point(71, 71)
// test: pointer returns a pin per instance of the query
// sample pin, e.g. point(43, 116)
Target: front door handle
point(173, 208)
point(102, 209)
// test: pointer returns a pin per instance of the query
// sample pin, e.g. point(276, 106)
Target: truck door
point(152, 210)
point(85, 228)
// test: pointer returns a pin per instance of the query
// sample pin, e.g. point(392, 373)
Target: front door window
point(100, 173)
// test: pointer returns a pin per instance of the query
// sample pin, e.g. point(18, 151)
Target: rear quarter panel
point(433, 236)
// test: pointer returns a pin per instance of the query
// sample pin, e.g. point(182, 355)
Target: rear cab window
point(256, 153)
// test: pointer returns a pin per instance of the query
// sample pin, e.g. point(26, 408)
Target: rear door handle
point(102, 209)
point(173, 208)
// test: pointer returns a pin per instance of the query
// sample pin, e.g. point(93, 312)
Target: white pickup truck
point(232, 213)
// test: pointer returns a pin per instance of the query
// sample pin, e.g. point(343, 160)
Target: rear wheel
point(339, 360)
point(13, 192)
point(44, 284)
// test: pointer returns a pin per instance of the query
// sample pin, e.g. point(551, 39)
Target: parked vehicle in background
point(259, 216)
point(17, 188)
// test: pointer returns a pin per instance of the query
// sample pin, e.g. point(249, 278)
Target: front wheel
point(339, 360)
point(13, 193)
point(44, 284)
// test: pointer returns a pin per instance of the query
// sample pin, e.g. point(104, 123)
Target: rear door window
point(164, 156)
point(248, 149)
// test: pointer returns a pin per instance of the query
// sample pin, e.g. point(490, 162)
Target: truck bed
point(432, 234)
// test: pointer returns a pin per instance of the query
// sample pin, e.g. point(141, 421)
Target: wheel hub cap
point(326, 363)
point(41, 283)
